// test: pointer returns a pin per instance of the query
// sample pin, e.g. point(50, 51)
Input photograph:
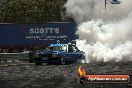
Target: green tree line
point(31, 11)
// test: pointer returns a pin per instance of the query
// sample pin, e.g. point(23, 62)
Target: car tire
point(38, 63)
point(30, 57)
point(30, 60)
point(5, 51)
point(62, 61)
point(80, 61)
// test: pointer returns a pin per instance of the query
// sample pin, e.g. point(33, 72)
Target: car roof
point(57, 44)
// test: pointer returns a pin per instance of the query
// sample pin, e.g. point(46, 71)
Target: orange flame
point(81, 71)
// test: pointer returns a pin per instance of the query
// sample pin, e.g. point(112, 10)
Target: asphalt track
point(28, 75)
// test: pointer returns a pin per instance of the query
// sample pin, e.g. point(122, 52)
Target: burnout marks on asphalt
point(56, 76)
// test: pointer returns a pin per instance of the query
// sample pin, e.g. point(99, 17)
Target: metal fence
point(13, 56)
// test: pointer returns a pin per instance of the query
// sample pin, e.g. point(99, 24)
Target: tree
point(30, 11)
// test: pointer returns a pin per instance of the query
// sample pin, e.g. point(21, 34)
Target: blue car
point(57, 53)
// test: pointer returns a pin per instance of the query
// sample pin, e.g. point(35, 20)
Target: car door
point(73, 53)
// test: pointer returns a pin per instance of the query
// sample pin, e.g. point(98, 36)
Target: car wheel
point(80, 61)
point(38, 63)
point(62, 61)
point(30, 60)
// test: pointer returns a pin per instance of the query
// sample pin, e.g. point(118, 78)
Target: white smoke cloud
point(84, 10)
point(106, 32)
point(106, 41)
point(104, 36)
point(99, 52)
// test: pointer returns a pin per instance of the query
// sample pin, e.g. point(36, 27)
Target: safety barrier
point(13, 56)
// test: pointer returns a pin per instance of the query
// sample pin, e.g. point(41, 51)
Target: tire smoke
point(99, 52)
point(103, 36)
point(84, 10)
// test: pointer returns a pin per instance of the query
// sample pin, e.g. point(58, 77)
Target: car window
point(74, 49)
point(59, 48)
point(70, 49)
point(49, 48)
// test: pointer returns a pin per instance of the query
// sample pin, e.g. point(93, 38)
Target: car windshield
point(59, 48)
